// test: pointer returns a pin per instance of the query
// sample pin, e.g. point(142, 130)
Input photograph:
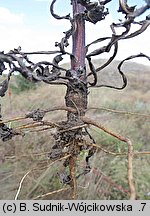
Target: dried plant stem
point(130, 153)
point(70, 109)
point(40, 130)
point(130, 171)
point(77, 64)
point(52, 124)
point(109, 152)
point(51, 193)
point(73, 128)
point(73, 183)
point(14, 119)
point(45, 173)
point(142, 153)
point(92, 122)
point(63, 108)
point(49, 165)
point(29, 125)
point(59, 159)
point(20, 185)
point(120, 111)
point(119, 154)
point(109, 180)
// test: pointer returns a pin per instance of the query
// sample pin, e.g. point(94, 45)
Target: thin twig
point(73, 182)
point(58, 108)
point(14, 119)
point(48, 167)
point(91, 122)
point(109, 152)
point(130, 171)
point(51, 193)
point(76, 108)
point(41, 129)
point(52, 124)
point(120, 111)
point(130, 153)
point(20, 185)
point(73, 128)
point(70, 109)
point(116, 153)
point(109, 180)
point(62, 158)
point(32, 125)
point(119, 154)
point(21, 156)
point(37, 124)
point(142, 153)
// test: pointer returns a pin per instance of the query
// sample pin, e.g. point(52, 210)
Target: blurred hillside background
point(108, 178)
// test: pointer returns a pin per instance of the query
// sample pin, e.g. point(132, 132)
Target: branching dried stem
point(72, 160)
point(93, 12)
point(70, 133)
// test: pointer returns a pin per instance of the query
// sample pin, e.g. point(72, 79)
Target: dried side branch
point(91, 122)
point(109, 152)
point(130, 153)
point(14, 119)
point(120, 111)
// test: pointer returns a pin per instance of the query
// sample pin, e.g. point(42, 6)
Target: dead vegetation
point(71, 136)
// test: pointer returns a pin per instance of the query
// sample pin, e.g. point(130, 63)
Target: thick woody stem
point(78, 97)
point(78, 38)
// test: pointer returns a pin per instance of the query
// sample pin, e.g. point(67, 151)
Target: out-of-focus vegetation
point(21, 84)
point(108, 178)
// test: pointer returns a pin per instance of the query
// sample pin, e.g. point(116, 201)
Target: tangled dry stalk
point(72, 136)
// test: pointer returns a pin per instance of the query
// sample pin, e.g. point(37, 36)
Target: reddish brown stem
point(77, 98)
point(76, 95)
point(78, 38)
